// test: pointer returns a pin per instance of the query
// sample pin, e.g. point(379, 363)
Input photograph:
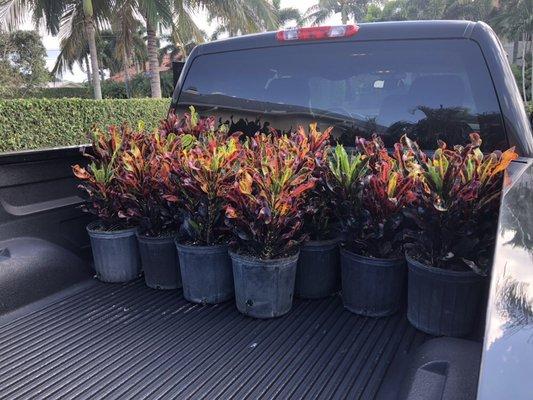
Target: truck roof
point(396, 30)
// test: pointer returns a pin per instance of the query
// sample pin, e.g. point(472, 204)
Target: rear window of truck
point(429, 89)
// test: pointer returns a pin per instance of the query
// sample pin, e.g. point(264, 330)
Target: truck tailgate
point(129, 341)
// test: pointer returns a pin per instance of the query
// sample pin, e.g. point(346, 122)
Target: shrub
point(318, 214)
point(188, 124)
point(386, 192)
point(46, 123)
point(204, 173)
point(347, 172)
point(144, 176)
point(460, 190)
point(108, 200)
point(266, 204)
point(82, 92)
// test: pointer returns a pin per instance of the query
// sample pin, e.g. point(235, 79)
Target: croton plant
point(203, 173)
point(459, 188)
point(145, 178)
point(319, 217)
point(345, 180)
point(387, 190)
point(265, 206)
point(107, 198)
point(187, 124)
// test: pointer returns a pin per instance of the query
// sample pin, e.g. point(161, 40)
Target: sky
point(52, 43)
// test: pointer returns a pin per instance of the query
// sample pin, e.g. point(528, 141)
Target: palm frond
point(14, 13)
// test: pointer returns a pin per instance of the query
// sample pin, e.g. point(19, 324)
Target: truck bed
point(128, 341)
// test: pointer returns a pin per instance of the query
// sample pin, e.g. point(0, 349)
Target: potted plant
point(145, 177)
point(451, 247)
point(318, 271)
point(190, 123)
point(265, 213)
point(203, 173)
point(372, 260)
point(113, 242)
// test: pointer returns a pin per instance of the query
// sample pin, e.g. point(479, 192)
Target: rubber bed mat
point(129, 341)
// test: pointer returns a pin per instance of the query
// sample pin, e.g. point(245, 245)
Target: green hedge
point(44, 123)
point(84, 92)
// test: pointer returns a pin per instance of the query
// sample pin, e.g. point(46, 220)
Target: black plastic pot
point(442, 302)
point(264, 288)
point(318, 273)
point(371, 286)
point(160, 263)
point(206, 273)
point(115, 254)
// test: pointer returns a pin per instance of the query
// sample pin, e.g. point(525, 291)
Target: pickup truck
point(64, 334)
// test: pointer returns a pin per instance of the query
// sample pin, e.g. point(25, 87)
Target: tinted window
point(430, 89)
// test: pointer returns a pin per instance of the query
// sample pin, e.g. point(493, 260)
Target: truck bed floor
point(128, 341)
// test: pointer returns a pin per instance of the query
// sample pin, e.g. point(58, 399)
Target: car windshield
point(429, 89)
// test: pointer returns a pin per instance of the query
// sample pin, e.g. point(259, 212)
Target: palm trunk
point(91, 37)
point(524, 42)
point(88, 71)
point(515, 51)
point(127, 74)
point(153, 61)
point(344, 17)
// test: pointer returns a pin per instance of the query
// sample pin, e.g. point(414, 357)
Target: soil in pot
point(160, 262)
point(371, 287)
point(206, 273)
point(443, 302)
point(264, 288)
point(318, 272)
point(115, 253)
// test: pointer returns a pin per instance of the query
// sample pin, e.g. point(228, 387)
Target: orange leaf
point(245, 184)
point(507, 156)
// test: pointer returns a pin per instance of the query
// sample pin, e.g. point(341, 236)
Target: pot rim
point(274, 261)
point(192, 248)
point(155, 239)
point(322, 243)
point(373, 260)
point(97, 232)
point(412, 263)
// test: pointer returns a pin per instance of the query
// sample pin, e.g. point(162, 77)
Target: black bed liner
point(128, 341)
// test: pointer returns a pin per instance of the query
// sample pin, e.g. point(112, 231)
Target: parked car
point(67, 335)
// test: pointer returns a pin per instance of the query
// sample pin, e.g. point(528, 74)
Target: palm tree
point(90, 27)
point(286, 14)
point(514, 20)
point(238, 17)
point(127, 43)
point(156, 14)
point(354, 9)
point(87, 13)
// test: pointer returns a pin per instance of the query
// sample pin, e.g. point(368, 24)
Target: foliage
point(204, 172)
point(108, 200)
point(347, 172)
point(144, 175)
point(319, 216)
point(286, 14)
point(386, 193)
point(189, 124)
point(459, 190)
point(139, 87)
point(266, 203)
point(399, 10)
point(45, 123)
point(348, 9)
point(22, 63)
point(80, 92)
point(387, 189)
